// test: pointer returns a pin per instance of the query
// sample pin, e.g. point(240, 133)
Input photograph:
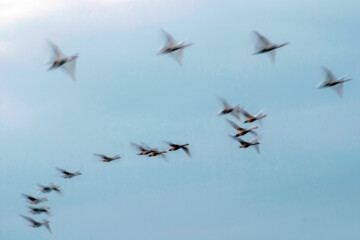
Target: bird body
point(67, 174)
point(332, 81)
point(173, 48)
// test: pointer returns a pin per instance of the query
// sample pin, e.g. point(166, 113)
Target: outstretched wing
point(339, 89)
point(246, 114)
point(29, 219)
point(263, 41)
point(329, 75)
point(170, 41)
point(46, 224)
point(56, 52)
point(101, 155)
point(234, 125)
point(178, 55)
point(70, 67)
point(224, 102)
point(187, 151)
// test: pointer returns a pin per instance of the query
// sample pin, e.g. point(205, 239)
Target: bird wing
point(263, 41)
point(329, 75)
point(187, 151)
point(29, 219)
point(246, 114)
point(56, 51)
point(339, 89)
point(178, 55)
point(63, 171)
point(257, 148)
point(224, 102)
point(234, 125)
point(70, 67)
point(46, 224)
point(101, 155)
point(170, 41)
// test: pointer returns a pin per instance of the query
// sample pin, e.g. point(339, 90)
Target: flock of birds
point(175, 50)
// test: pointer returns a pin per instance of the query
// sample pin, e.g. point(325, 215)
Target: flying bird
point(242, 131)
point(264, 46)
point(47, 189)
point(144, 150)
point(105, 158)
point(228, 109)
point(245, 144)
point(332, 81)
point(59, 60)
point(173, 48)
point(67, 174)
point(44, 209)
point(250, 118)
point(175, 147)
point(34, 200)
point(36, 224)
point(154, 153)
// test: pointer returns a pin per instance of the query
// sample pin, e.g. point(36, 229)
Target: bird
point(173, 48)
point(175, 147)
point(47, 189)
point(44, 209)
point(34, 200)
point(332, 81)
point(105, 158)
point(67, 174)
point(242, 131)
point(155, 152)
point(245, 144)
point(144, 150)
point(59, 60)
point(228, 109)
point(250, 118)
point(36, 224)
point(264, 46)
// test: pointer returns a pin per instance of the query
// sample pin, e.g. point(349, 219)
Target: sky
point(303, 185)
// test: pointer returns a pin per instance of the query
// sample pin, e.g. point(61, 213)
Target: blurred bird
point(331, 81)
point(36, 224)
point(264, 46)
point(175, 49)
point(235, 111)
point(39, 210)
point(34, 200)
point(245, 144)
point(175, 147)
point(144, 150)
point(59, 60)
point(250, 118)
point(67, 174)
point(105, 158)
point(155, 152)
point(242, 131)
point(47, 189)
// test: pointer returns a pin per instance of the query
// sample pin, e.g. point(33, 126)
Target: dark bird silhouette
point(105, 158)
point(332, 81)
point(36, 224)
point(250, 118)
point(245, 144)
point(175, 147)
point(173, 48)
point(154, 153)
point(47, 189)
point(228, 109)
point(59, 60)
point(44, 209)
point(242, 131)
point(264, 46)
point(144, 150)
point(67, 174)
point(34, 200)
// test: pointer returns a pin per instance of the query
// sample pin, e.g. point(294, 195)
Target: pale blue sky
point(303, 185)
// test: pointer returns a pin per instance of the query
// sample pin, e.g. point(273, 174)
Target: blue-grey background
point(303, 185)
